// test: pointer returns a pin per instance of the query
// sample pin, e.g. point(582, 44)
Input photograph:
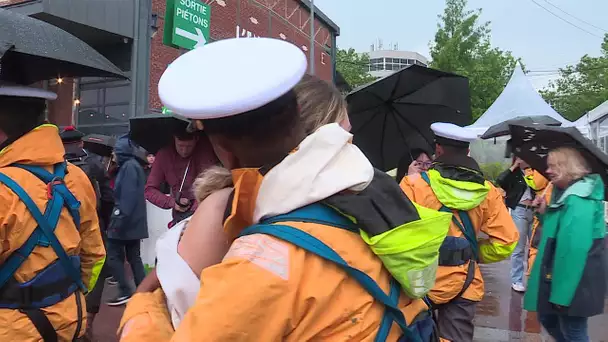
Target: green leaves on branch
point(580, 88)
point(353, 67)
point(462, 46)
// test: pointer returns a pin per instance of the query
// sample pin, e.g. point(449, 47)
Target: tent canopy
point(519, 98)
point(596, 113)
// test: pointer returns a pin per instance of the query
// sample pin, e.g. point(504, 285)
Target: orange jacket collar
point(41, 146)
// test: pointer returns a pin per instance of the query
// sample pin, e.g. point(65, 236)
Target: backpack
point(456, 251)
point(57, 281)
point(422, 329)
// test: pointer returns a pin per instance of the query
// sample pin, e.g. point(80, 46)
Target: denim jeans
point(565, 328)
point(117, 250)
point(523, 219)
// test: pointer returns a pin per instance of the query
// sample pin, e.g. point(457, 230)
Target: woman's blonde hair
point(211, 180)
point(569, 163)
point(320, 104)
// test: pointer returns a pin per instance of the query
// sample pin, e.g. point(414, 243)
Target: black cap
point(70, 135)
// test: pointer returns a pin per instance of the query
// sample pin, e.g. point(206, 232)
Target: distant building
point(385, 62)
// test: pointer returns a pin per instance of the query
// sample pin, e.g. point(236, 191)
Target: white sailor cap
point(450, 134)
point(16, 90)
point(231, 77)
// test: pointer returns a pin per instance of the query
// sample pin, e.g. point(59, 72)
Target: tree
point(353, 67)
point(582, 87)
point(462, 46)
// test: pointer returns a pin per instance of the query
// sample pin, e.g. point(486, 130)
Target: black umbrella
point(395, 112)
point(502, 129)
point(32, 50)
point(154, 132)
point(101, 145)
point(533, 143)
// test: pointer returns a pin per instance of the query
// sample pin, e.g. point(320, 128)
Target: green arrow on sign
point(199, 38)
point(190, 24)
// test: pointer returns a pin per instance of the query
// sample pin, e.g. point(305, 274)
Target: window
point(112, 130)
point(103, 101)
point(403, 61)
point(118, 94)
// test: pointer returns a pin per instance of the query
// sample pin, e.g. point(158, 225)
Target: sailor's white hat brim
point(11, 89)
point(453, 132)
point(230, 77)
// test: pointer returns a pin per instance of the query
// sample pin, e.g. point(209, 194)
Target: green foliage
point(492, 170)
point(582, 87)
point(353, 67)
point(462, 46)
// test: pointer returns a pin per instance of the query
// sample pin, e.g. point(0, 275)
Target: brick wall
point(282, 19)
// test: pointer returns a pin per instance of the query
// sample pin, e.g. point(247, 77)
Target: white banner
point(158, 219)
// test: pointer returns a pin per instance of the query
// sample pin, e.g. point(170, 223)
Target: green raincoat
point(569, 275)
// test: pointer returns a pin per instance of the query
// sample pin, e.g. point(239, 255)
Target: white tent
point(598, 112)
point(582, 124)
point(519, 98)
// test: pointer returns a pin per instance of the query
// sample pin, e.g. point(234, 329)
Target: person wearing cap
point(177, 166)
point(267, 286)
point(92, 166)
point(47, 263)
point(455, 183)
point(521, 184)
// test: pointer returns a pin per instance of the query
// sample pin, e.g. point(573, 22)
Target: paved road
point(500, 317)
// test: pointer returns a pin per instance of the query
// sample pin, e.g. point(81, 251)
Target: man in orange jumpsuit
point(455, 183)
point(271, 286)
point(52, 250)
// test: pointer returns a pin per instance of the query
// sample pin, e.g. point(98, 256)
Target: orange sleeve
point(407, 186)
point(248, 296)
point(500, 228)
point(145, 310)
point(539, 180)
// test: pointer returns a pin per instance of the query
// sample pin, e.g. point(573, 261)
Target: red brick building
point(130, 34)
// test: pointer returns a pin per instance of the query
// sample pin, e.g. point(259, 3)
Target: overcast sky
point(542, 40)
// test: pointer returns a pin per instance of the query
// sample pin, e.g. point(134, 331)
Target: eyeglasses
point(425, 164)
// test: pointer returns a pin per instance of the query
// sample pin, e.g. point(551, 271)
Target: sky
point(543, 41)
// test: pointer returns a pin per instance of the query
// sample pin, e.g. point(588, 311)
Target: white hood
point(324, 164)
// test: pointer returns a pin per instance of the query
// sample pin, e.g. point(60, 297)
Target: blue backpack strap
point(313, 245)
point(56, 182)
point(466, 227)
point(46, 228)
point(315, 213)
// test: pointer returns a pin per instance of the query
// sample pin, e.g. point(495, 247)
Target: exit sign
point(187, 24)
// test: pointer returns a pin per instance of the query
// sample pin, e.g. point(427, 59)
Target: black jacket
point(513, 183)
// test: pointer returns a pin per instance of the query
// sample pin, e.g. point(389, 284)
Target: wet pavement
point(500, 317)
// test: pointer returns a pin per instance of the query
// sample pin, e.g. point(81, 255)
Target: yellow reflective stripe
point(46, 125)
point(410, 252)
point(41, 126)
point(95, 272)
point(529, 179)
point(456, 194)
point(490, 252)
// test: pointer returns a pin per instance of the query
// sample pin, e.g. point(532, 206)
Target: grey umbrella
point(32, 50)
point(502, 128)
point(534, 142)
